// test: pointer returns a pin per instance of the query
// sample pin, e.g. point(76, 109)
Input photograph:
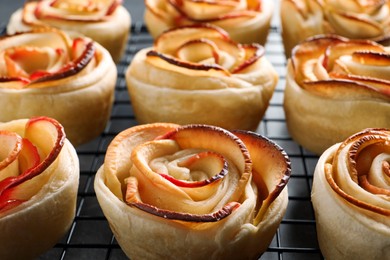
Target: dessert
point(66, 77)
point(39, 175)
point(106, 22)
point(246, 21)
point(350, 195)
point(336, 87)
point(197, 74)
point(193, 191)
point(301, 19)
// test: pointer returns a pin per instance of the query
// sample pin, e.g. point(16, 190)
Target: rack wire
point(90, 236)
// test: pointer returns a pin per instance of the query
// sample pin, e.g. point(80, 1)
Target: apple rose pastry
point(46, 72)
point(351, 197)
point(105, 21)
point(197, 74)
point(336, 87)
point(353, 19)
point(246, 21)
point(193, 191)
point(39, 175)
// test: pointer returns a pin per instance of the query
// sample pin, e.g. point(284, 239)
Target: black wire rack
point(90, 236)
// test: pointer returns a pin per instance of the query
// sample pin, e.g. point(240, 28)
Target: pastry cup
point(352, 19)
point(192, 192)
point(335, 87)
point(196, 74)
point(350, 197)
point(108, 24)
point(75, 85)
point(38, 211)
point(246, 21)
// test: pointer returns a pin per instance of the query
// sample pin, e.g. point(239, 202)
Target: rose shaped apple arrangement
point(353, 19)
point(246, 21)
point(336, 87)
point(39, 175)
point(351, 197)
point(47, 72)
point(106, 22)
point(193, 191)
point(197, 74)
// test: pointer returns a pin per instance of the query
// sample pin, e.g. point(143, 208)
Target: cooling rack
point(90, 236)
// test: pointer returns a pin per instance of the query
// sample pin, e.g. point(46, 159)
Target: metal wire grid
point(90, 236)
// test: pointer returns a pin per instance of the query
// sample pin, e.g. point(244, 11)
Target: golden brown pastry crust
point(232, 91)
point(82, 102)
point(327, 101)
point(301, 19)
point(36, 225)
point(156, 212)
point(111, 31)
point(350, 197)
point(246, 21)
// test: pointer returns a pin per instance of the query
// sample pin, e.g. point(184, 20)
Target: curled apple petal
point(350, 25)
point(42, 55)
point(170, 145)
point(271, 169)
point(164, 61)
point(204, 47)
point(11, 145)
point(202, 11)
point(69, 10)
point(212, 217)
point(340, 61)
point(246, 21)
point(203, 164)
point(206, 10)
point(196, 179)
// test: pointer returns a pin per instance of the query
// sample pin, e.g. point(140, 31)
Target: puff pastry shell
point(351, 197)
point(301, 19)
point(246, 21)
point(47, 72)
point(39, 175)
point(192, 192)
point(196, 74)
point(106, 22)
point(336, 87)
